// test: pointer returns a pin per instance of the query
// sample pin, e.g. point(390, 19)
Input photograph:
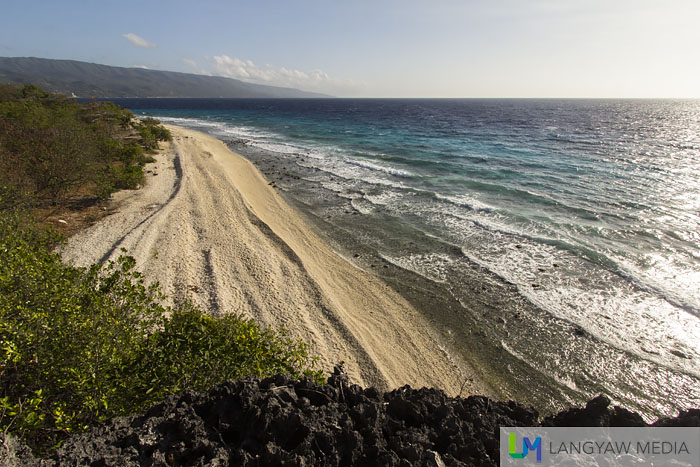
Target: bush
point(78, 346)
point(128, 177)
point(196, 351)
point(60, 160)
point(151, 132)
point(131, 154)
point(148, 139)
point(31, 90)
point(55, 147)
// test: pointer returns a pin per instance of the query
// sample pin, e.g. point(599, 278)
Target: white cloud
point(315, 80)
point(143, 67)
point(193, 65)
point(138, 41)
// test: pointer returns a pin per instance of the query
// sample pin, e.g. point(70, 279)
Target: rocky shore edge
point(279, 421)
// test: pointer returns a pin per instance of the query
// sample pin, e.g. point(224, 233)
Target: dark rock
point(679, 354)
point(598, 404)
point(13, 452)
point(685, 418)
point(278, 421)
point(596, 413)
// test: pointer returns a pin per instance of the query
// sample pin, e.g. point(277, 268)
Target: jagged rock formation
point(278, 421)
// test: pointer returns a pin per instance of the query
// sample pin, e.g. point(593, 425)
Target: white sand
point(209, 228)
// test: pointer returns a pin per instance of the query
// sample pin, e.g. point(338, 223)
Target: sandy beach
point(210, 229)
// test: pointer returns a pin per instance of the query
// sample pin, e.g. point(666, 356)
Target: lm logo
point(527, 447)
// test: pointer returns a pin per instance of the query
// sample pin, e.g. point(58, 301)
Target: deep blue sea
point(578, 221)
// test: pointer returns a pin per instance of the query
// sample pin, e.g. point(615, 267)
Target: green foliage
point(122, 177)
point(53, 146)
point(196, 351)
point(130, 154)
point(151, 131)
point(12, 198)
point(30, 90)
point(24, 416)
point(107, 112)
point(148, 139)
point(78, 346)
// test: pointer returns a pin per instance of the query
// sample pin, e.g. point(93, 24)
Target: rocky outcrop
point(278, 421)
point(13, 453)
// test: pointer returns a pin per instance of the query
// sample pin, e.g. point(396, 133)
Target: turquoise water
point(585, 213)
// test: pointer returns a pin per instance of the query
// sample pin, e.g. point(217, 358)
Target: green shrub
point(161, 133)
point(31, 90)
point(131, 154)
point(78, 346)
point(151, 132)
point(148, 139)
point(196, 351)
point(55, 147)
point(129, 177)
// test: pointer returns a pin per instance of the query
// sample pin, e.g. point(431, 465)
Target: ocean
point(555, 244)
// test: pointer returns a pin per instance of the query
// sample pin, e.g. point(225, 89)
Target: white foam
point(350, 172)
point(381, 168)
point(432, 266)
point(466, 201)
point(384, 198)
point(219, 128)
point(602, 304)
point(280, 148)
point(670, 275)
point(330, 159)
point(334, 186)
point(561, 379)
point(362, 206)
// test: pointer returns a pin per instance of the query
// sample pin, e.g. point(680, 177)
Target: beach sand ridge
point(210, 229)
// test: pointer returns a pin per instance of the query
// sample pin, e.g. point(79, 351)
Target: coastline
point(210, 229)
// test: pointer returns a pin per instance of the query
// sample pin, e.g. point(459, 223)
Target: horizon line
point(344, 97)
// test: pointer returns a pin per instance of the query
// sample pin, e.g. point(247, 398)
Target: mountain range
point(84, 79)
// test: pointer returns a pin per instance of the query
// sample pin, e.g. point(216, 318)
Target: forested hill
point(91, 80)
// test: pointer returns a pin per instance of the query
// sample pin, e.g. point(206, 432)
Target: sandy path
point(209, 228)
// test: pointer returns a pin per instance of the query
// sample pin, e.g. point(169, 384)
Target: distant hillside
point(91, 80)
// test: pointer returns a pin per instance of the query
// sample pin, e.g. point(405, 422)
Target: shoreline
point(211, 229)
point(484, 319)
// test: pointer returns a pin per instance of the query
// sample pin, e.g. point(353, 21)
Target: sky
point(383, 48)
